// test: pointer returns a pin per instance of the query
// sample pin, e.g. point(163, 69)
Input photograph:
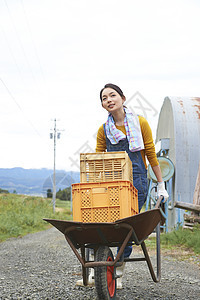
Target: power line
point(31, 36)
point(9, 92)
point(13, 98)
point(19, 40)
point(24, 53)
point(42, 92)
point(12, 53)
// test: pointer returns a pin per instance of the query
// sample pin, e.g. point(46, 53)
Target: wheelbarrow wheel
point(105, 281)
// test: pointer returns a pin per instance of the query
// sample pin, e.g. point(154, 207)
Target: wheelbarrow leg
point(85, 271)
point(154, 277)
point(158, 252)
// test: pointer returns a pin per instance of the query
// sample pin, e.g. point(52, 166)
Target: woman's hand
point(161, 185)
point(162, 191)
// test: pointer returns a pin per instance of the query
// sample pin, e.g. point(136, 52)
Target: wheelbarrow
point(103, 236)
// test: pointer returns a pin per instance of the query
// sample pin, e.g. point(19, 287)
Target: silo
point(179, 122)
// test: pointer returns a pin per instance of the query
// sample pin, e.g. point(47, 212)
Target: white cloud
point(56, 56)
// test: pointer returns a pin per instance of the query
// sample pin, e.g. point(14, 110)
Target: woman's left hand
point(162, 191)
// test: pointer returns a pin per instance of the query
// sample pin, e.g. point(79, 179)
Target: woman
point(125, 131)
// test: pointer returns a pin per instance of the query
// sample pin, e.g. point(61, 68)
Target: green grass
point(186, 238)
point(21, 214)
point(183, 237)
point(63, 204)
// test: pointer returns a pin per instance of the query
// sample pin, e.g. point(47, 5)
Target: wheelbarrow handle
point(159, 201)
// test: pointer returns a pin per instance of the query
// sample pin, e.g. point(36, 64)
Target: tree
point(64, 194)
point(49, 193)
point(4, 191)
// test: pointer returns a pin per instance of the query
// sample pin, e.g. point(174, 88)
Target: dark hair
point(114, 87)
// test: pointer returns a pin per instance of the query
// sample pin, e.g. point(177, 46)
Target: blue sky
point(57, 54)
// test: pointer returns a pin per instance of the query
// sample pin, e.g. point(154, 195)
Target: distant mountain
point(35, 181)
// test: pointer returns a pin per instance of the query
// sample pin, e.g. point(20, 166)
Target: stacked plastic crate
point(105, 192)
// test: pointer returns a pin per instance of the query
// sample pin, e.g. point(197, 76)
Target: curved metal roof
point(179, 120)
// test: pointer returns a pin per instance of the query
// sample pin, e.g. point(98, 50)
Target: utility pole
point(54, 135)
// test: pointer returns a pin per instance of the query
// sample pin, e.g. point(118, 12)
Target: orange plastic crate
point(104, 201)
point(105, 166)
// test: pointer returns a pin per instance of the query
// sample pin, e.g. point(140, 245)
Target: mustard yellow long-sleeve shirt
point(149, 147)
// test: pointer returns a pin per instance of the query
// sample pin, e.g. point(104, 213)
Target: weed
point(20, 214)
point(184, 237)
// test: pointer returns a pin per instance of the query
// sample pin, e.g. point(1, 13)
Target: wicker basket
point(105, 166)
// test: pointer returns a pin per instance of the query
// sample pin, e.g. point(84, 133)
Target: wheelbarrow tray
point(112, 233)
point(134, 229)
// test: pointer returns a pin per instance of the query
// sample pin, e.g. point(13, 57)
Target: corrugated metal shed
point(179, 120)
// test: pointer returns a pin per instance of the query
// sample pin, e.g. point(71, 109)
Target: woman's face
point(111, 100)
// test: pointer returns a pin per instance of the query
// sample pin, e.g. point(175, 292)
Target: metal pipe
point(158, 202)
point(155, 279)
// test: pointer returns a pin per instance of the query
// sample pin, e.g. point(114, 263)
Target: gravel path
point(42, 266)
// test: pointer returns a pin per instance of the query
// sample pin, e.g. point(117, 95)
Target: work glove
point(162, 191)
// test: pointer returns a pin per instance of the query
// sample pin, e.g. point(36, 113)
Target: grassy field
point(21, 214)
point(183, 237)
point(178, 239)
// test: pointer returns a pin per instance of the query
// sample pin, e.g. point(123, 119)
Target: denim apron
point(139, 173)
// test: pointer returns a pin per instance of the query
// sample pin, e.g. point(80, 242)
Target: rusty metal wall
point(179, 120)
